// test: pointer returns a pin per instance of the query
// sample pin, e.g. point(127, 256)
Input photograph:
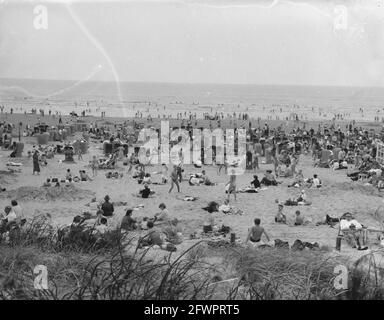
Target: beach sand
point(338, 195)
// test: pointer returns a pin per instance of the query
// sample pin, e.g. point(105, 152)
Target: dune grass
point(82, 268)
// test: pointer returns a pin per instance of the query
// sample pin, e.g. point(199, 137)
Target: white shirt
point(345, 224)
point(11, 216)
point(19, 212)
point(316, 182)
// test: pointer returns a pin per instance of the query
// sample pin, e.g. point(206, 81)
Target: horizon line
point(199, 83)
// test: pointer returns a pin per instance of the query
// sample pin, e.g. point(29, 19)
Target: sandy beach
point(338, 194)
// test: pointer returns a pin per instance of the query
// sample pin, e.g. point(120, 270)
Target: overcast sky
point(196, 41)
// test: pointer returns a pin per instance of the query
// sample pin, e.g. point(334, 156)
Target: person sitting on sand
point(47, 183)
point(174, 232)
point(353, 230)
point(68, 175)
point(316, 182)
point(20, 218)
point(147, 179)
point(280, 216)
point(205, 179)
point(154, 236)
point(128, 223)
point(303, 199)
point(255, 232)
point(9, 215)
point(299, 219)
point(269, 179)
point(163, 215)
point(209, 223)
point(107, 207)
point(139, 173)
point(84, 176)
point(193, 180)
point(102, 228)
point(255, 182)
point(146, 192)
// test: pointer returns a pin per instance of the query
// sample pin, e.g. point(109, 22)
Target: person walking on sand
point(79, 155)
point(94, 166)
point(174, 179)
point(232, 184)
point(36, 165)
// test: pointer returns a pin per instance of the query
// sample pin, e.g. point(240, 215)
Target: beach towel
point(14, 164)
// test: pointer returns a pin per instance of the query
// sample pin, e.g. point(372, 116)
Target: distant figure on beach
point(232, 184)
point(174, 179)
point(79, 155)
point(94, 165)
point(107, 207)
point(36, 165)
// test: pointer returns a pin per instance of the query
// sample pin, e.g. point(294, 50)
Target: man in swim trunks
point(255, 232)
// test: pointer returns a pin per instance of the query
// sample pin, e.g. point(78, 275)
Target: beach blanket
point(14, 164)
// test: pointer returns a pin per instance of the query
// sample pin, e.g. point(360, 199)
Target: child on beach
point(280, 216)
point(232, 184)
point(174, 179)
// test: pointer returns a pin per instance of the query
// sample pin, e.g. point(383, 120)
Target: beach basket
point(107, 147)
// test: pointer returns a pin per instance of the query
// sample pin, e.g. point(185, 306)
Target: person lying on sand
point(193, 180)
point(255, 232)
point(228, 209)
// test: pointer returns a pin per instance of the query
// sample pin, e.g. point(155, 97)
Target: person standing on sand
point(174, 179)
point(36, 165)
point(79, 155)
point(94, 165)
point(232, 184)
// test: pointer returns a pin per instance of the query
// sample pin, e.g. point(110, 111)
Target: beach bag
point(171, 247)
point(281, 244)
point(298, 245)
